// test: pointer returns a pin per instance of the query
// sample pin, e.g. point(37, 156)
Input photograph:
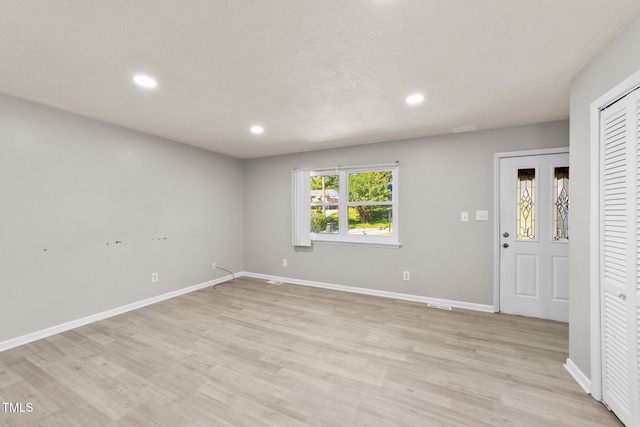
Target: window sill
point(378, 243)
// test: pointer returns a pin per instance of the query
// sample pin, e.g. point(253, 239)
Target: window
point(561, 203)
point(348, 205)
point(325, 201)
point(526, 220)
point(370, 204)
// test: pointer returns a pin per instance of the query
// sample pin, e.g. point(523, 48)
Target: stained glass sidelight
point(561, 204)
point(526, 213)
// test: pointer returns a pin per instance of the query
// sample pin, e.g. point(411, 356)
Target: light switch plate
point(464, 216)
point(482, 215)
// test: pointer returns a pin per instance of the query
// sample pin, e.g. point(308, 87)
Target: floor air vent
point(439, 306)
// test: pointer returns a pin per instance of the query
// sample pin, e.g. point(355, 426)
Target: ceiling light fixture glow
point(415, 99)
point(257, 129)
point(145, 81)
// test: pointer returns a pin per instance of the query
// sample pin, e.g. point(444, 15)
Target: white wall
point(439, 177)
point(71, 188)
point(613, 64)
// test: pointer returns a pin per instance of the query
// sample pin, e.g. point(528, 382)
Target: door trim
point(617, 92)
point(496, 209)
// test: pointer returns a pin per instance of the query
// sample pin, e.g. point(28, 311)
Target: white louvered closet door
point(619, 257)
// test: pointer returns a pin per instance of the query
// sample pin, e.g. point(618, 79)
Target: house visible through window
point(325, 199)
point(354, 205)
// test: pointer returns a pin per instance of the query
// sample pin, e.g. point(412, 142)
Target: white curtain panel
point(300, 185)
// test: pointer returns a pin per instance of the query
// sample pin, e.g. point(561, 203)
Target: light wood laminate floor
point(253, 354)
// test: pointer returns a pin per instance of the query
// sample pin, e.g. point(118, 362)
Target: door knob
point(506, 245)
point(505, 234)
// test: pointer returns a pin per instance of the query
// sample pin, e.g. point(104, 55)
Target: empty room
point(319, 213)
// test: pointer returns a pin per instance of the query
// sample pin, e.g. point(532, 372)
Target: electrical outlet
point(154, 277)
point(406, 275)
point(214, 266)
point(284, 262)
point(482, 215)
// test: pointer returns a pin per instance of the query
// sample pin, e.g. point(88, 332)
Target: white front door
point(534, 236)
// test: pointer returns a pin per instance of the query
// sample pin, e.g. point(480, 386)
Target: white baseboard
point(578, 376)
point(25, 339)
point(365, 291)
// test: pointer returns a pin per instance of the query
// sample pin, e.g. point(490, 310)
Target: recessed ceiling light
point(257, 129)
point(415, 99)
point(145, 81)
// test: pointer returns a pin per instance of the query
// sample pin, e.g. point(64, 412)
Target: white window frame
point(343, 235)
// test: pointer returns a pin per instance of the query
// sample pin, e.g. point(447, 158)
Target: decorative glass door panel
point(561, 208)
point(526, 205)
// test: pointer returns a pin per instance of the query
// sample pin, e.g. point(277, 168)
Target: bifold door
point(619, 257)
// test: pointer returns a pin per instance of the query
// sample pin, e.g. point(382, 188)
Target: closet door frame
point(614, 94)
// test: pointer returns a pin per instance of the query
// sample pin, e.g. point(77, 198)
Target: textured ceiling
point(314, 73)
